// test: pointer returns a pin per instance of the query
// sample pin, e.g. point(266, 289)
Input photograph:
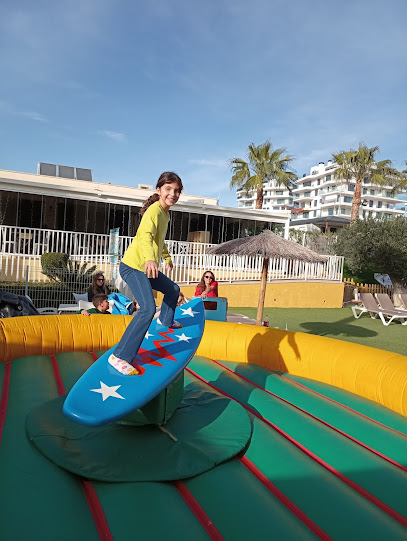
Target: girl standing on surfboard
point(139, 268)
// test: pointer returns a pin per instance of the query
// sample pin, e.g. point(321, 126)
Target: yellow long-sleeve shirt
point(148, 244)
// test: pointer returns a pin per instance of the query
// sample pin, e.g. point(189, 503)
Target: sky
point(131, 88)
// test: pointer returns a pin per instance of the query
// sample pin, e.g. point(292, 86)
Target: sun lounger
point(368, 304)
point(403, 298)
point(73, 308)
point(44, 311)
point(386, 303)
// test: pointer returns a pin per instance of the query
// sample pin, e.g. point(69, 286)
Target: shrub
point(52, 261)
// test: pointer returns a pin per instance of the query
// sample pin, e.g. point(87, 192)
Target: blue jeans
point(142, 289)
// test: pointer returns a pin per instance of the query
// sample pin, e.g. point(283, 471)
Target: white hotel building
point(321, 201)
point(321, 198)
point(276, 197)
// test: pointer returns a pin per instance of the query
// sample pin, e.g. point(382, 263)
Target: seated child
point(100, 303)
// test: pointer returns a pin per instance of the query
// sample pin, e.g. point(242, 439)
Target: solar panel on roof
point(65, 171)
point(48, 169)
point(84, 174)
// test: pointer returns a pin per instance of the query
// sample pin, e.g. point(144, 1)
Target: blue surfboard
point(103, 394)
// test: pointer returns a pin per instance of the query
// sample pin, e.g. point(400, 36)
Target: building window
point(280, 201)
point(351, 187)
point(305, 214)
point(307, 194)
point(370, 203)
point(306, 184)
point(30, 210)
point(9, 207)
point(315, 202)
point(379, 204)
point(279, 192)
point(347, 199)
point(330, 212)
point(364, 191)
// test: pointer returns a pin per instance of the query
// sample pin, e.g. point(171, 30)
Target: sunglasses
point(100, 279)
point(209, 277)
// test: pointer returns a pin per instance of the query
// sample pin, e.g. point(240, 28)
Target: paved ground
point(239, 318)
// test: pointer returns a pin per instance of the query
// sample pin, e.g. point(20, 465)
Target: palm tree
point(361, 164)
point(263, 163)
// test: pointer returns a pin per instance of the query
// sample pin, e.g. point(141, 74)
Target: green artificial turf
point(335, 323)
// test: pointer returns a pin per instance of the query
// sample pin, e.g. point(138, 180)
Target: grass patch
point(336, 323)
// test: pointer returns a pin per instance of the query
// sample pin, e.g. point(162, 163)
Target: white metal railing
point(22, 247)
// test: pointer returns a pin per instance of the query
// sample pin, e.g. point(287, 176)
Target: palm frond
point(263, 163)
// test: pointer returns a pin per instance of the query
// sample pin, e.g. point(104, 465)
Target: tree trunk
point(262, 294)
point(398, 287)
point(259, 199)
point(356, 201)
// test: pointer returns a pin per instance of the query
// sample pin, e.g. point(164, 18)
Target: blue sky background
point(130, 88)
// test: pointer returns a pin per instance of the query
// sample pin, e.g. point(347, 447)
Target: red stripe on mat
point(4, 397)
point(333, 400)
point(96, 510)
point(295, 510)
point(57, 376)
point(192, 503)
point(340, 404)
point(92, 499)
point(197, 510)
point(332, 427)
point(381, 505)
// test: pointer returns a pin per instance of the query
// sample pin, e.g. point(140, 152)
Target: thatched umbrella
point(267, 245)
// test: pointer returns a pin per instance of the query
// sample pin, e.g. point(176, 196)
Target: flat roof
point(322, 220)
point(126, 195)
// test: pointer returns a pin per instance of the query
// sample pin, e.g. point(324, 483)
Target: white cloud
point(209, 163)
point(9, 109)
point(114, 135)
point(38, 117)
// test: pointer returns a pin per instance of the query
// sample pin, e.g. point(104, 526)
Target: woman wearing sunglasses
point(98, 286)
point(207, 287)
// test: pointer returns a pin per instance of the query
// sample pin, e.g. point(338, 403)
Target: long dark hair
point(168, 177)
point(201, 284)
point(97, 288)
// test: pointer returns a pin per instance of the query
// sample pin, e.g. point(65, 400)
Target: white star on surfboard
point(107, 391)
point(188, 312)
point(183, 338)
point(147, 335)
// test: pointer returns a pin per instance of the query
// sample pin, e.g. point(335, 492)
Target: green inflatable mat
point(205, 430)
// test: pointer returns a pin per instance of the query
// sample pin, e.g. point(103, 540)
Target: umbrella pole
point(262, 295)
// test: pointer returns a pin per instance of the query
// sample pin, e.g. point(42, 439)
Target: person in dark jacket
point(98, 286)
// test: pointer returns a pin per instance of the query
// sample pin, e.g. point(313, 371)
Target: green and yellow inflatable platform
point(321, 452)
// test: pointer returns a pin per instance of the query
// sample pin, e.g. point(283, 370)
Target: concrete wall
point(279, 294)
